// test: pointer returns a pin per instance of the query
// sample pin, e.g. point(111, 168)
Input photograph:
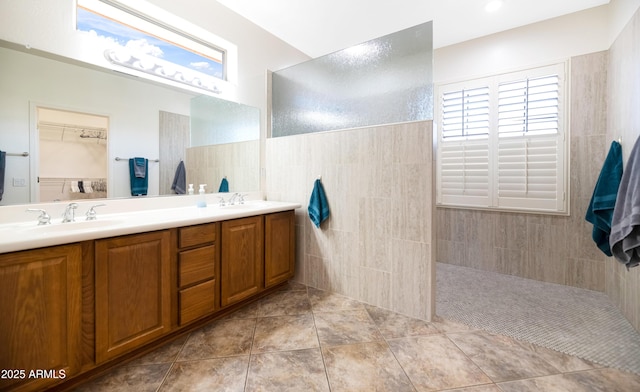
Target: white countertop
point(23, 235)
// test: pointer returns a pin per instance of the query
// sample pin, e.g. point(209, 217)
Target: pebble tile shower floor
point(574, 321)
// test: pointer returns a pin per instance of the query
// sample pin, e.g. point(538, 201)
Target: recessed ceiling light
point(493, 5)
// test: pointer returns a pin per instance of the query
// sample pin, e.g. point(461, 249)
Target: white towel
point(625, 225)
point(74, 187)
point(87, 187)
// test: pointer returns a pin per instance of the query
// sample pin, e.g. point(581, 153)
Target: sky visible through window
point(140, 42)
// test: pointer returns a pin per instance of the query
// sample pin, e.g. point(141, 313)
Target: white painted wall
point(540, 43)
point(620, 13)
point(575, 34)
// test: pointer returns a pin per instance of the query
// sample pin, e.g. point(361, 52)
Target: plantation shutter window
point(503, 145)
point(528, 107)
point(465, 113)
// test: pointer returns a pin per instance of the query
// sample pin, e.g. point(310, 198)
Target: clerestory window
point(144, 39)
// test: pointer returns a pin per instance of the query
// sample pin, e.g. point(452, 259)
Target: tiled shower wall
point(556, 249)
point(377, 245)
point(623, 121)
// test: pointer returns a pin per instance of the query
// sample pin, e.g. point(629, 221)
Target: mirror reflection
point(145, 119)
point(225, 148)
point(64, 139)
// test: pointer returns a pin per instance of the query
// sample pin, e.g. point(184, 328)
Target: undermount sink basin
point(73, 226)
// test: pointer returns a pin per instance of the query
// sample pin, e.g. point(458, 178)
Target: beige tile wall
point(556, 249)
point(623, 122)
point(377, 245)
point(239, 162)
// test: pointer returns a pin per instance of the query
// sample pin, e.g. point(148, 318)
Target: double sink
point(28, 234)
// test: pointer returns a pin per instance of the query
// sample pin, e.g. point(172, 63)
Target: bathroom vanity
point(74, 309)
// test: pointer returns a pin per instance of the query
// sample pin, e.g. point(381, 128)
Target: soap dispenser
point(202, 201)
point(190, 190)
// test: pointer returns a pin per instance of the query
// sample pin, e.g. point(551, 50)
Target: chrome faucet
point(237, 197)
point(69, 213)
point(91, 214)
point(43, 218)
point(233, 198)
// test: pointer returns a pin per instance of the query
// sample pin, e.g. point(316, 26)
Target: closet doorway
point(72, 155)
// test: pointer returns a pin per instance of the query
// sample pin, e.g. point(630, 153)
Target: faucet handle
point(241, 197)
point(222, 203)
point(43, 218)
point(91, 213)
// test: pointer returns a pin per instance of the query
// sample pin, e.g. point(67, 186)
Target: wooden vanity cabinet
point(40, 327)
point(242, 259)
point(198, 271)
point(279, 248)
point(132, 292)
point(69, 309)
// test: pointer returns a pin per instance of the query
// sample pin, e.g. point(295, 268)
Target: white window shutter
point(530, 174)
point(529, 106)
point(464, 173)
point(465, 113)
point(519, 161)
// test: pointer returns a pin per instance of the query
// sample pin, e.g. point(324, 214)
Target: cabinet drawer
point(197, 301)
point(196, 265)
point(197, 235)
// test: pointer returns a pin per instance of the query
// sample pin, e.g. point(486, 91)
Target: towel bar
point(126, 159)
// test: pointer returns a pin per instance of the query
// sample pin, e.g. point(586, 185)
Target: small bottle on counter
point(202, 201)
point(190, 190)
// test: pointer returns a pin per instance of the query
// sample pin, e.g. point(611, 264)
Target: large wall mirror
point(145, 119)
point(224, 145)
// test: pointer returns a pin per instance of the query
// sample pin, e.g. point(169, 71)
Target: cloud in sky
point(201, 65)
point(145, 47)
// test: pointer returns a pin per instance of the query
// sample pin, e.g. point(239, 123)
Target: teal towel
point(318, 206)
point(603, 201)
point(224, 186)
point(139, 185)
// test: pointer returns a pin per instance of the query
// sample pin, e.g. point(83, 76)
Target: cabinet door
point(133, 292)
point(40, 327)
point(279, 247)
point(242, 264)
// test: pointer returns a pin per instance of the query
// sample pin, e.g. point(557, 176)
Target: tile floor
point(303, 339)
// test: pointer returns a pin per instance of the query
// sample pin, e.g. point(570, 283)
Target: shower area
point(541, 278)
point(386, 243)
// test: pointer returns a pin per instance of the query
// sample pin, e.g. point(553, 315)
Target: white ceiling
point(319, 27)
